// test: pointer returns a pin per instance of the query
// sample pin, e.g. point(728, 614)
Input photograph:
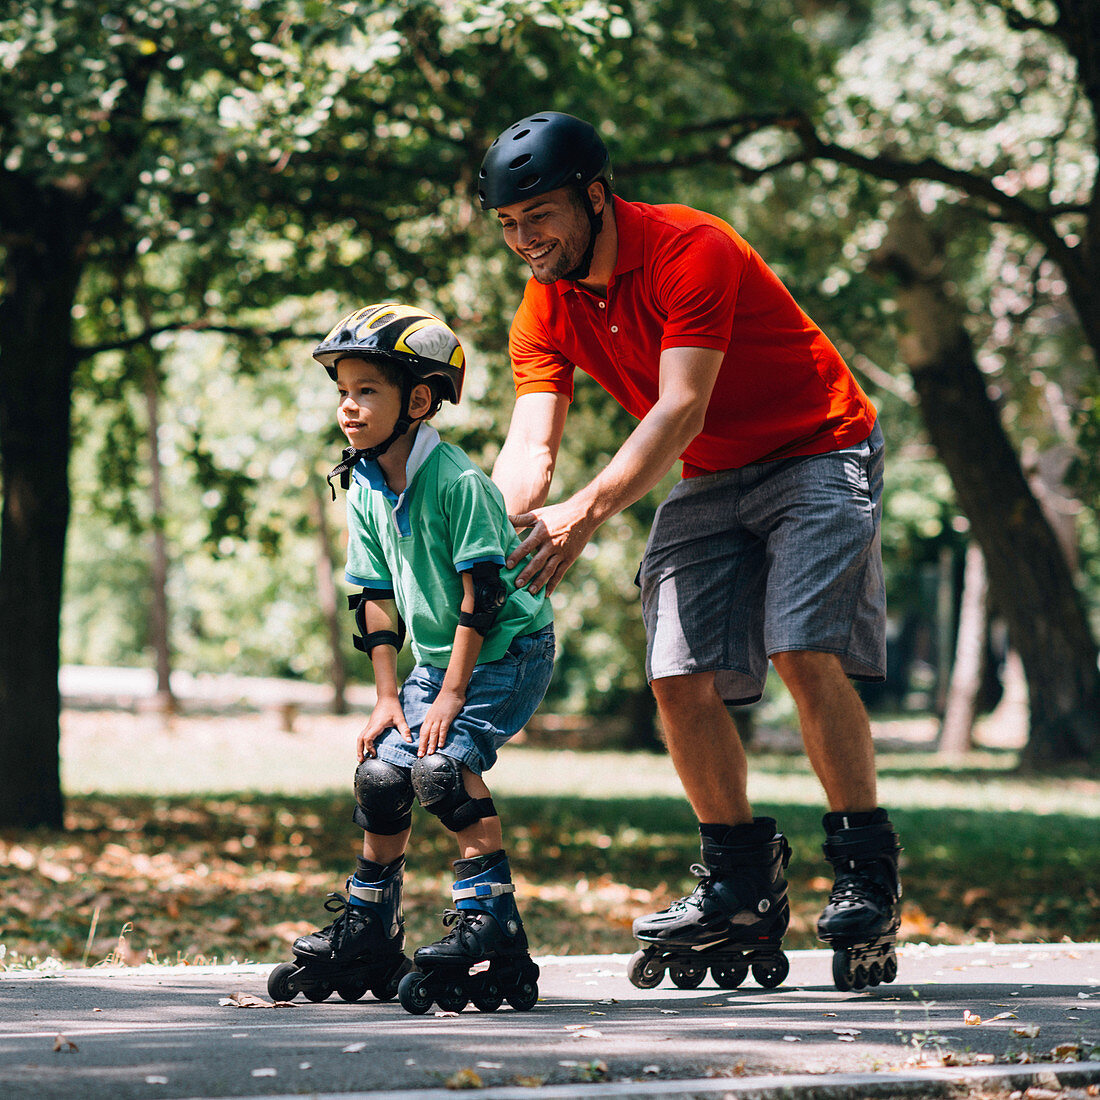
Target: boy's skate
point(484, 958)
point(363, 948)
point(735, 918)
point(862, 917)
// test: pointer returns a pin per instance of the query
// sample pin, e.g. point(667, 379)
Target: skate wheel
point(317, 993)
point(281, 985)
point(488, 998)
point(452, 997)
point(840, 971)
point(686, 976)
point(524, 994)
point(729, 977)
point(351, 991)
point(874, 974)
point(387, 990)
point(769, 975)
point(645, 971)
point(859, 978)
point(412, 992)
point(890, 969)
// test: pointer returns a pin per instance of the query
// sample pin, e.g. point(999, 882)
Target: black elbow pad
point(489, 597)
point(366, 640)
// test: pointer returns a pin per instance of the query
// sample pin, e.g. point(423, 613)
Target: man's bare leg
point(835, 728)
point(705, 748)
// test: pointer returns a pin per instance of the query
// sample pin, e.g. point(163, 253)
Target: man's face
point(549, 231)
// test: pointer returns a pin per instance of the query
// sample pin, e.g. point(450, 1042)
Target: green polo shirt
point(449, 517)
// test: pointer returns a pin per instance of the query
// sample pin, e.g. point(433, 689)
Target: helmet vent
point(521, 135)
point(519, 162)
point(528, 181)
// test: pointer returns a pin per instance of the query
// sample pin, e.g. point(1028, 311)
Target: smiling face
point(370, 403)
point(549, 231)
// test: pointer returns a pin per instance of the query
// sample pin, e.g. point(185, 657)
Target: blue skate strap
point(365, 893)
point(483, 890)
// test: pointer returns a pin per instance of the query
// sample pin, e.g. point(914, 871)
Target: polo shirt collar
point(369, 474)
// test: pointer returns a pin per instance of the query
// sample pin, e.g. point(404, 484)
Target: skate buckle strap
point(484, 890)
point(365, 893)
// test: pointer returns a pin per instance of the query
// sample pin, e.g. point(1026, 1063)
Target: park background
point(192, 193)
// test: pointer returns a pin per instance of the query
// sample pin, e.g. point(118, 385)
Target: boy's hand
point(437, 722)
point(386, 714)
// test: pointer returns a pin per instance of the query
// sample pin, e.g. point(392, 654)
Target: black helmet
point(410, 338)
point(538, 154)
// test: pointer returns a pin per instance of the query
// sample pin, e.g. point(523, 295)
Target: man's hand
point(386, 714)
point(555, 536)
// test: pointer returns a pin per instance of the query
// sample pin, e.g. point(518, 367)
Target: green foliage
point(252, 172)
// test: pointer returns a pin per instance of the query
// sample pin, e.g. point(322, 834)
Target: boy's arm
point(381, 616)
point(452, 695)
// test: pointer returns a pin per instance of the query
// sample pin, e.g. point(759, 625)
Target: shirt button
point(614, 328)
point(602, 305)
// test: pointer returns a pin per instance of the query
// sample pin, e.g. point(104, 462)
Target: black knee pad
point(437, 780)
point(383, 796)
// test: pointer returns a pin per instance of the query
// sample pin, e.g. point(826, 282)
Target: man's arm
point(525, 465)
point(559, 533)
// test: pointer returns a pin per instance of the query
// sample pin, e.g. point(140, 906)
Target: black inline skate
point(363, 948)
point(862, 917)
point(733, 921)
point(485, 929)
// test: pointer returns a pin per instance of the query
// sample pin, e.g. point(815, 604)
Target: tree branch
point(127, 342)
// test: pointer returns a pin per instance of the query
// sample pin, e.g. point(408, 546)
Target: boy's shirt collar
point(369, 474)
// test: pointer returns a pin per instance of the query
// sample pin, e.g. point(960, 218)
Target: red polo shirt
point(686, 279)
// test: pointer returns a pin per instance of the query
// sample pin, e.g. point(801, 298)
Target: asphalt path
point(1014, 1014)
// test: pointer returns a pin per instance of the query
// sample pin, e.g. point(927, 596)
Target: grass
point(148, 869)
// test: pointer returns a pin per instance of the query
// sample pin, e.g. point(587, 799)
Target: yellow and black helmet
point(406, 336)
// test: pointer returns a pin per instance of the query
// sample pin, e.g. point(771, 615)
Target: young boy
point(428, 537)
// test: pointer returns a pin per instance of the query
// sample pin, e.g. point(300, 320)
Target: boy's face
point(369, 405)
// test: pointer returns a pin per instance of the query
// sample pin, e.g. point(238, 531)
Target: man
point(768, 548)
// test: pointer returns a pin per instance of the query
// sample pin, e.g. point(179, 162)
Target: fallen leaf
point(353, 1048)
point(490, 1065)
point(247, 1000)
point(155, 1079)
point(1029, 1031)
point(1067, 1052)
point(530, 1082)
point(265, 1071)
point(1004, 1016)
point(971, 1018)
point(465, 1078)
point(60, 1043)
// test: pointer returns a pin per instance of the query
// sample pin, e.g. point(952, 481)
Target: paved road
point(158, 1033)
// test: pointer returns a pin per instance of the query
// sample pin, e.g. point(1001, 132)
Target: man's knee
point(437, 780)
point(808, 669)
point(680, 693)
point(383, 797)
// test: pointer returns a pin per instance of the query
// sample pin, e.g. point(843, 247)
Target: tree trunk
point(40, 277)
point(957, 729)
point(1029, 578)
point(326, 591)
point(158, 596)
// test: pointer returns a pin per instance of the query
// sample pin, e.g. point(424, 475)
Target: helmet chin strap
point(595, 224)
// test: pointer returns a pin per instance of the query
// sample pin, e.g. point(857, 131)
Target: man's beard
point(565, 259)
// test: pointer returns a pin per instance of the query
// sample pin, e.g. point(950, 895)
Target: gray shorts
point(771, 557)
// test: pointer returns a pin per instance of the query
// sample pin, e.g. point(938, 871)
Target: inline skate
point(363, 948)
point(861, 920)
point(733, 921)
point(484, 958)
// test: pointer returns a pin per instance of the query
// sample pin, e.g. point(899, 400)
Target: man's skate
point(733, 921)
point(363, 948)
point(862, 917)
point(484, 959)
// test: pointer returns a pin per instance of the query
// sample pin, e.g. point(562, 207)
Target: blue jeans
point(500, 698)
